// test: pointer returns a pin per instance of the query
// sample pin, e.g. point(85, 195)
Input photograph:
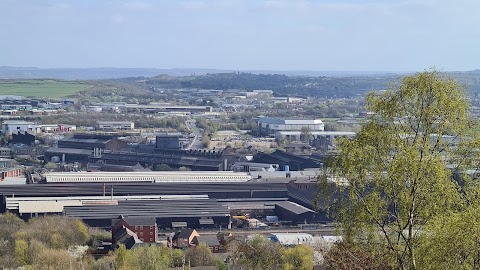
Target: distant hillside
point(282, 85)
point(93, 73)
point(330, 85)
point(115, 73)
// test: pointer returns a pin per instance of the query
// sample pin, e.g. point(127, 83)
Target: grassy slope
point(41, 88)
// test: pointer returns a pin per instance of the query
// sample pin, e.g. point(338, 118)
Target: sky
point(318, 35)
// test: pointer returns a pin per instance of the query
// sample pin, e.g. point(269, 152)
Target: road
point(324, 231)
point(197, 141)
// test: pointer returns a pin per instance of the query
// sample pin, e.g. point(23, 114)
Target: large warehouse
point(204, 213)
point(153, 177)
point(269, 126)
point(173, 205)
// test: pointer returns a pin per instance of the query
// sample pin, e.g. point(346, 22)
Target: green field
point(41, 88)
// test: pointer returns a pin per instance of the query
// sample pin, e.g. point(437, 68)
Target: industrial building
point(330, 135)
point(52, 128)
point(169, 141)
point(254, 167)
point(196, 160)
point(166, 108)
point(82, 147)
point(154, 177)
point(14, 126)
point(205, 213)
point(115, 125)
point(289, 161)
point(92, 141)
point(222, 190)
point(173, 205)
point(269, 126)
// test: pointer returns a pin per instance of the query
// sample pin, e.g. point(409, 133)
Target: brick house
point(211, 241)
point(127, 238)
point(9, 168)
point(144, 227)
point(183, 238)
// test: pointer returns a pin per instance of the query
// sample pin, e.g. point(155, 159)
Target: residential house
point(126, 237)
point(210, 240)
point(145, 227)
point(9, 168)
point(184, 238)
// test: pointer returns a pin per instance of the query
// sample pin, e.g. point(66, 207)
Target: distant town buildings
point(269, 126)
point(169, 141)
point(14, 126)
point(115, 125)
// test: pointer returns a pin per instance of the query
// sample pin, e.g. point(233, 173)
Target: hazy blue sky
point(331, 35)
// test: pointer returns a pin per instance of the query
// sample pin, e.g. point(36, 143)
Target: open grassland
point(42, 88)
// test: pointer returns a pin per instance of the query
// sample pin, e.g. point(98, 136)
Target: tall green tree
point(452, 241)
point(298, 258)
point(396, 167)
point(258, 253)
point(200, 255)
point(306, 134)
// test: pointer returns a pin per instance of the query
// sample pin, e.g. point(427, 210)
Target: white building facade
point(270, 126)
point(12, 126)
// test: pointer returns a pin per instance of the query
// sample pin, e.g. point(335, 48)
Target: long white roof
point(164, 176)
point(290, 121)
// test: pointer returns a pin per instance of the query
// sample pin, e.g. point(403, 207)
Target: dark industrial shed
point(296, 213)
point(293, 161)
point(194, 212)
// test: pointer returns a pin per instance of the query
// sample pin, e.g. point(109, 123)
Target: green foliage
point(451, 241)
point(10, 225)
point(143, 258)
point(97, 234)
point(35, 249)
point(121, 256)
point(349, 256)
point(21, 248)
point(162, 167)
point(56, 259)
point(104, 263)
point(281, 84)
point(306, 134)
point(258, 253)
point(66, 232)
point(177, 258)
point(298, 258)
point(396, 169)
point(221, 264)
point(50, 165)
point(199, 256)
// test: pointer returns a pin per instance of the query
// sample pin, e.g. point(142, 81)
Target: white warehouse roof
point(290, 121)
point(169, 176)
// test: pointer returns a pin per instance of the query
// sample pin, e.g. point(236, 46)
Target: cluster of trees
point(55, 242)
point(131, 91)
point(329, 87)
point(40, 241)
point(158, 258)
point(410, 202)
point(259, 253)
